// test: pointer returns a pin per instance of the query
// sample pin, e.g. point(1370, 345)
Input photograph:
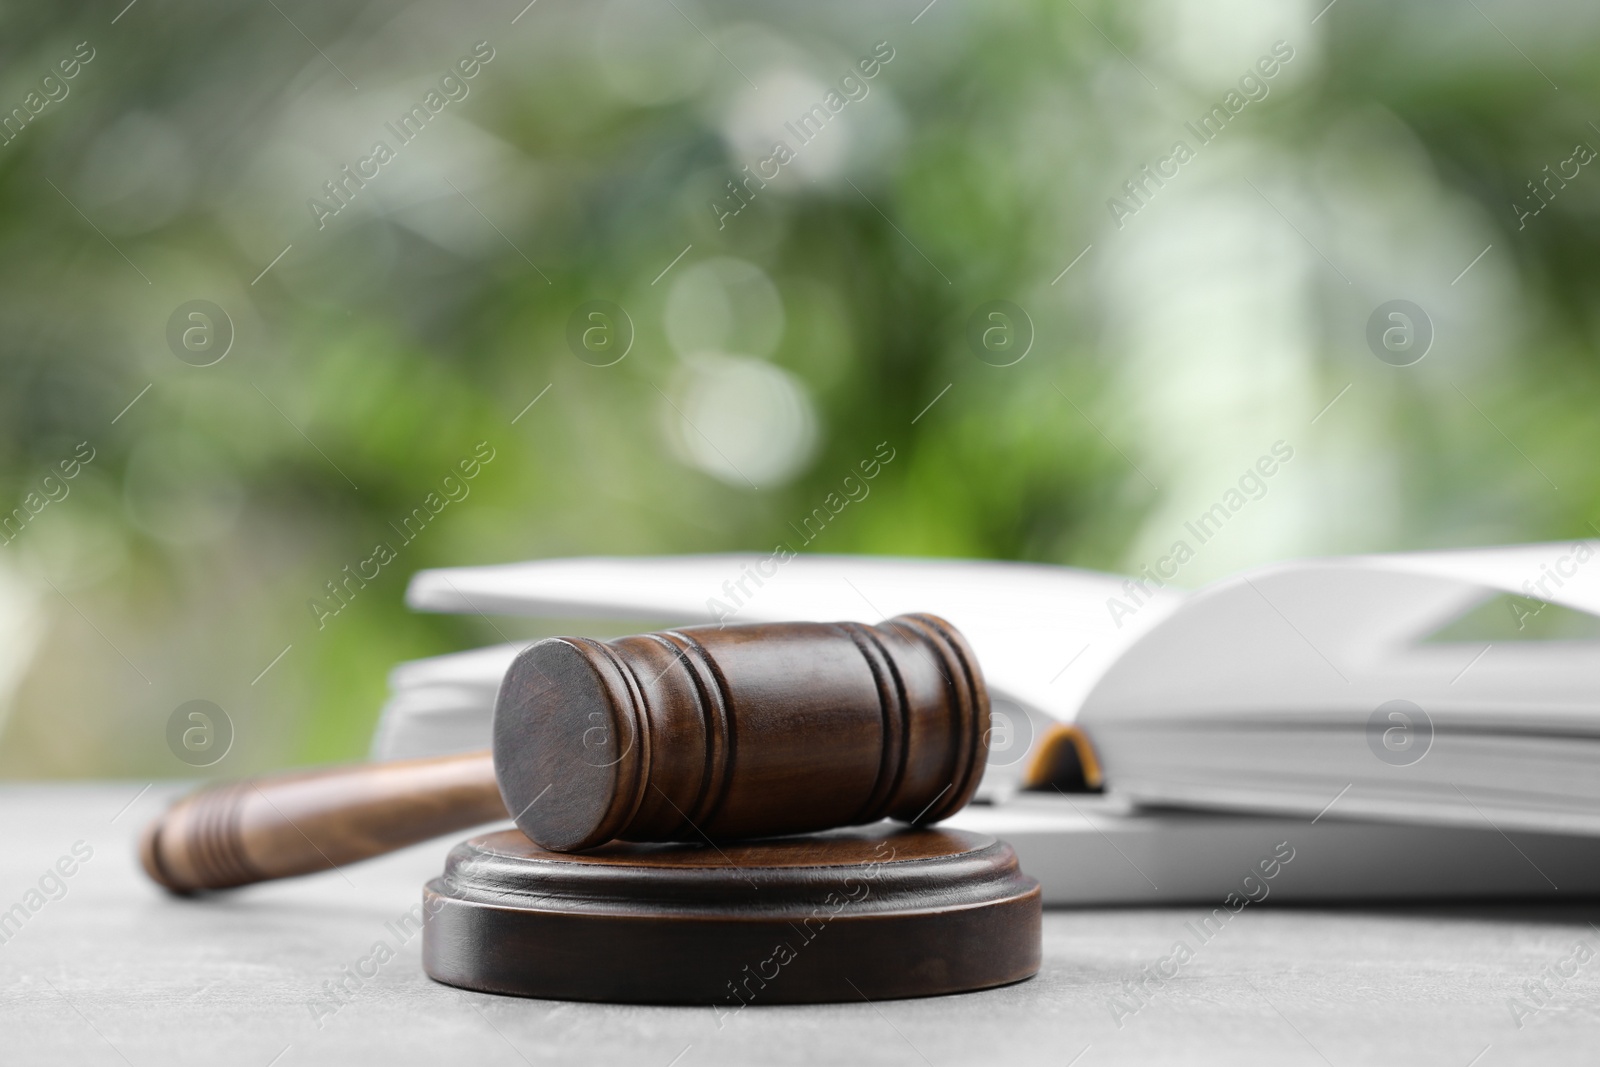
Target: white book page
point(1272, 691)
point(1042, 634)
point(1342, 636)
point(478, 670)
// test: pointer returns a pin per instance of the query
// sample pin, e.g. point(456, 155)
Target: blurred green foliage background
point(773, 348)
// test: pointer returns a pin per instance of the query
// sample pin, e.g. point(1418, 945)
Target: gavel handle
point(282, 825)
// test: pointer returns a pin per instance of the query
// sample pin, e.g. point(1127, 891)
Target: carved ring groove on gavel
point(701, 733)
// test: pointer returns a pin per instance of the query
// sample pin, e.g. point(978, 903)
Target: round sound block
point(859, 913)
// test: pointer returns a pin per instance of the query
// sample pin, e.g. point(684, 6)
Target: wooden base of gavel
point(659, 783)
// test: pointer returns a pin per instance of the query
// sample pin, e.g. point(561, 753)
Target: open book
point(1042, 634)
point(1304, 689)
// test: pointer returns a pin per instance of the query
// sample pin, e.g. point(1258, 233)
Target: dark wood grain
point(697, 734)
point(861, 913)
point(274, 827)
point(710, 733)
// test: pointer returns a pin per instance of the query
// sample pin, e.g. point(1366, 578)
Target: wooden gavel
point(698, 734)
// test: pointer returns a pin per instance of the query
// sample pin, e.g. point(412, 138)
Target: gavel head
point(709, 733)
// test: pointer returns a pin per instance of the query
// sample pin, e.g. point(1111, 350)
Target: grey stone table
point(100, 967)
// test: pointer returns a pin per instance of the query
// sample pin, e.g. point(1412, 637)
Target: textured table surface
point(107, 969)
